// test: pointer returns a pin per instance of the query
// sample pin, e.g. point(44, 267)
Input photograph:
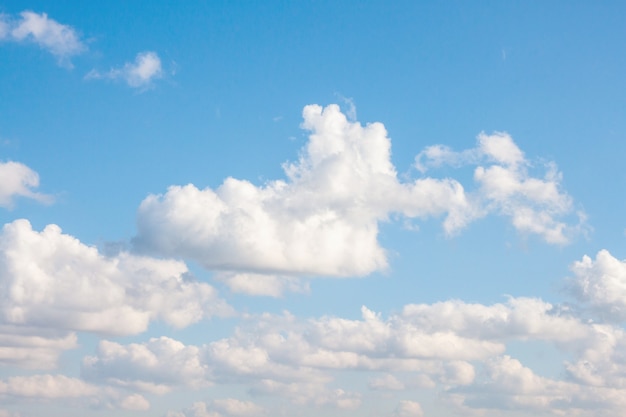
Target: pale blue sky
point(111, 104)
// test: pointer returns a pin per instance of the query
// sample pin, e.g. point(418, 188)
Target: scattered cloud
point(18, 180)
point(138, 74)
point(60, 40)
point(323, 219)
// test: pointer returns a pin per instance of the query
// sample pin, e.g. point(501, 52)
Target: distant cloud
point(323, 219)
point(454, 347)
point(138, 74)
point(18, 180)
point(409, 409)
point(60, 40)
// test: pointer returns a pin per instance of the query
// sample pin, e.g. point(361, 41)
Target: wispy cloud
point(60, 40)
point(138, 74)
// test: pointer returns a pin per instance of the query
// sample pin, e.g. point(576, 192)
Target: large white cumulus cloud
point(51, 285)
point(323, 219)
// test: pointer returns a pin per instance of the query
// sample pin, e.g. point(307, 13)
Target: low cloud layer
point(323, 219)
point(455, 348)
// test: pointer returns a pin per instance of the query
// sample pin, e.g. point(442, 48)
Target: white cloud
point(386, 382)
point(601, 284)
point(454, 347)
point(18, 180)
point(60, 40)
point(46, 387)
point(509, 385)
point(409, 409)
point(155, 366)
point(134, 402)
point(198, 409)
point(138, 74)
point(237, 408)
point(323, 220)
point(534, 205)
point(52, 285)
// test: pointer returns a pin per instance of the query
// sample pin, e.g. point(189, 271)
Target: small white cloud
point(18, 180)
point(138, 74)
point(134, 402)
point(60, 40)
point(409, 409)
point(238, 408)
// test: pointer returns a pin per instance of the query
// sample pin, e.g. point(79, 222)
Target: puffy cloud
point(138, 74)
point(155, 366)
point(509, 385)
point(409, 409)
point(18, 180)
point(52, 285)
point(505, 186)
point(134, 402)
point(238, 408)
point(46, 387)
point(60, 40)
point(323, 219)
point(455, 347)
point(198, 409)
point(601, 284)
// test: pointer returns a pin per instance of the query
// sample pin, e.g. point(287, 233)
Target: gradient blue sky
point(475, 267)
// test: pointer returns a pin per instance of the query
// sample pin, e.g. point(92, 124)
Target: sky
point(312, 208)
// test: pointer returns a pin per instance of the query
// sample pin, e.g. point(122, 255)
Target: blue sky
point(219, 209)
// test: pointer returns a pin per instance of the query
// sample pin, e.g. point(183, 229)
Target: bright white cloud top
point(323, 220)
point(454, 251)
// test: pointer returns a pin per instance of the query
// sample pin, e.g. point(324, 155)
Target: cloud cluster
point(455, 347)
point(60, 40)
point(601, 284)
point(323, 219)
point(52, 285)
point(138, 74)
point(18, 180)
